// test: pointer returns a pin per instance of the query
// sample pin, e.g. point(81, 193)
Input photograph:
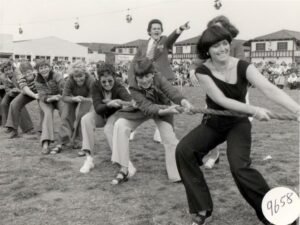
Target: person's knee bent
point(121, 125)
point(108, 128)
point(14, 105)
point(237, 166)
point(86, 119)
point(183, 150)
point(47, 113)
point(4, 104)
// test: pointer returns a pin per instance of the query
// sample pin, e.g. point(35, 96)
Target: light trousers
point(89, 123)
point(70, 118)
point(48, 122)
point(120, 147)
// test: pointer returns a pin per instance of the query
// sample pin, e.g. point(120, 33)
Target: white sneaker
point(88, 165)
point(132, 136)
point(131, 169)
point(210, 163)
point(156, 136)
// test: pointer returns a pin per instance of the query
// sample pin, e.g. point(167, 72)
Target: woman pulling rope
point(225, 81)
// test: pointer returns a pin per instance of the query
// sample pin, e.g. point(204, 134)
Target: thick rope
point(277, 116)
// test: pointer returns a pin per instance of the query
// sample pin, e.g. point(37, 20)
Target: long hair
point(7, 64)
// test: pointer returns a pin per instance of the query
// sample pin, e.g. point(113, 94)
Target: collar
point(40, 78)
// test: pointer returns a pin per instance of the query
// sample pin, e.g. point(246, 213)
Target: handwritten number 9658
point(275, 205)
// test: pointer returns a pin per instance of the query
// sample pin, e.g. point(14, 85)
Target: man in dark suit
point(157, 49)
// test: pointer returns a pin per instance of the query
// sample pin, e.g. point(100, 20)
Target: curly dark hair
point(209, 37)
point(143, 66)
point(42, 62)
point(154, 21)
point(224, 21)
point(7, 64)
point(106, 67)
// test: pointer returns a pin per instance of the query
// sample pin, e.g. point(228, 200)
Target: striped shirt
point(23, 82)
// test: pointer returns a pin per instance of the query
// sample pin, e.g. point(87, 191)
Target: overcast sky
point(104, 20)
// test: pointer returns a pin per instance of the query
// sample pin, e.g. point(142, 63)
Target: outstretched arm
point(218, 97)
point(271, 91)
point(171, 39)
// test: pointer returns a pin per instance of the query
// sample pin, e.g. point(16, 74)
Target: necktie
point(150, 54)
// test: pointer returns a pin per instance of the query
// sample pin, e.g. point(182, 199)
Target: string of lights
point(128, 16)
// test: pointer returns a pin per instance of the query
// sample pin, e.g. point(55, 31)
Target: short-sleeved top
point(235, 91)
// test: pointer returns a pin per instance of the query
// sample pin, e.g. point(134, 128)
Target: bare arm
point(218, 97)
point(271, 91)
point(26, 90)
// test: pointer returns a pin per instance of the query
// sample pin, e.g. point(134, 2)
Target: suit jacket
point(160, 59)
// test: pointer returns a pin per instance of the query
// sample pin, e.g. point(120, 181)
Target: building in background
point(6, 46)
point(281, 47)
point(124, 53)
point(100, 52)
point(50, 48)
point(186, 50)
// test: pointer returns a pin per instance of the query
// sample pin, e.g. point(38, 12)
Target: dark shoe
point(13, 134)
point(57, 149)
point(30, 132)
point(8, 130)
point(120, 178)
point(201, 219)
point(77, 145)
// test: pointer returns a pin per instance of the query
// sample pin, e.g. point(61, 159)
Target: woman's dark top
point(235, 91)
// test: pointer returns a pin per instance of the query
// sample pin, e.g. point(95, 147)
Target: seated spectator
point(280, 81)
point(292, 81)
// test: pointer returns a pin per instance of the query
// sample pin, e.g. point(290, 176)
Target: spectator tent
point(51, 48)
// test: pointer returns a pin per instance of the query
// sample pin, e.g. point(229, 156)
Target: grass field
point(39, 190)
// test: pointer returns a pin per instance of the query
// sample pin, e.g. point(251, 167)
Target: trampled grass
point(39, 190)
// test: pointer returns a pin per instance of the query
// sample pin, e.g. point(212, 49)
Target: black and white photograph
point(149, 112)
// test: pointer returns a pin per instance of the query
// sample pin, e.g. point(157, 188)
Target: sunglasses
point(107, 81)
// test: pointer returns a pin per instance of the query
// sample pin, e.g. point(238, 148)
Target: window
point(119, 50)
point(260, 46)
point(131, 50)
point(179, 49)
point(282, 46)
point(193, 49)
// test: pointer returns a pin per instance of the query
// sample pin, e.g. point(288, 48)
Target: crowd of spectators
point(282, 75)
